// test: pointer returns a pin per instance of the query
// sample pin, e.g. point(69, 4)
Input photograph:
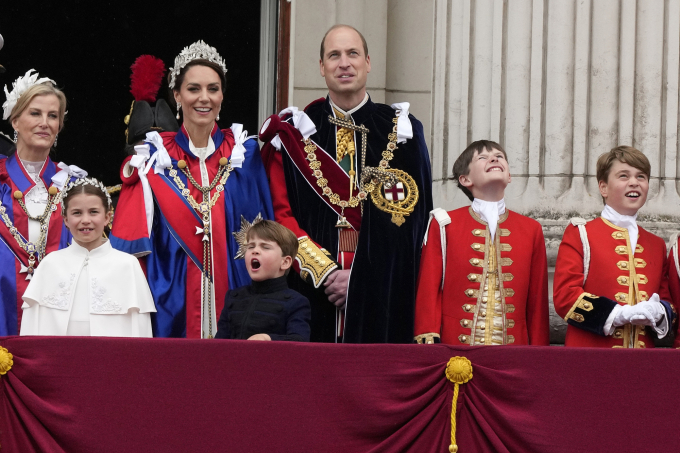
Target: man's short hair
point(462, 165)
point(275, 232)
point(626, 154)
point(323, 41)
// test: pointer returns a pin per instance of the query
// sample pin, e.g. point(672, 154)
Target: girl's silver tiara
point(86, 182)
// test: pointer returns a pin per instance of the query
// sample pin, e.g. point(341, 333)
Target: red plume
point(146, 77)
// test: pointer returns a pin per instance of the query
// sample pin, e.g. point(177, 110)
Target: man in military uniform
point(352, 179)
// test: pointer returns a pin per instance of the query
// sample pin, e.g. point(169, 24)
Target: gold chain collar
point(203, 209)
point(53, 200)
point(370, 178)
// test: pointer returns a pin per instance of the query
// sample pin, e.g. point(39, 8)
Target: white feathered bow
point(18, 88)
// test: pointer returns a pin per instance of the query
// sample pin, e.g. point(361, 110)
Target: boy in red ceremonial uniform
point(483, 276)
point(611, 277)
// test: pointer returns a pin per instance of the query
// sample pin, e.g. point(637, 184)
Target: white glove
point(646, 313)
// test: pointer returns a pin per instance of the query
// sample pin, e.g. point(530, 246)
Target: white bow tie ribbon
point(276, 142)
point(139, 162)
point(404, 126)
point(301, 121)
point(160, 159)
point(139, 159)
point(238, 154)
point(61, 178)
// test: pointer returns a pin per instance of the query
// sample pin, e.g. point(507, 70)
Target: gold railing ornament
point(458, 371)
point(6, 361)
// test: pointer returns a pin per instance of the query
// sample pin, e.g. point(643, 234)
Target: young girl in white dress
point(88, 288)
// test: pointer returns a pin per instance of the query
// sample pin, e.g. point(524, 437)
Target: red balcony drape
point(148, 395)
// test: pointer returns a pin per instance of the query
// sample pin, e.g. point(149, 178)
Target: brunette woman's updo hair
point(198, 62)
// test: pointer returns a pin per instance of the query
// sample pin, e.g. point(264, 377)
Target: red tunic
point(457, 312)
point(614, 273)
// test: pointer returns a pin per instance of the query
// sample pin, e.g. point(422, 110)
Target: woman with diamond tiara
point(88, 288)
point(184, 196)
point(30, 183)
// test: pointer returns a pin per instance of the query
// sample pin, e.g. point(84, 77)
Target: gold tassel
point(458, 371)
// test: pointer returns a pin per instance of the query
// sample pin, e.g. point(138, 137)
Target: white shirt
point(348, 114)
point(36, 198)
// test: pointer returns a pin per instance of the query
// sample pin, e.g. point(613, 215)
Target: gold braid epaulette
point(315, 263)
point(426, 338)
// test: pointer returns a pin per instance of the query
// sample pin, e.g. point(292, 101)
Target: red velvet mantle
point(100, 394)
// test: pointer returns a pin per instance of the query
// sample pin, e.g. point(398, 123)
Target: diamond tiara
point(85, 182)
point(196, 51)
point(19, 87)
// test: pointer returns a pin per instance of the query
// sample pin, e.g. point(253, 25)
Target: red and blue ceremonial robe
point(13, 258)
point(165, 233)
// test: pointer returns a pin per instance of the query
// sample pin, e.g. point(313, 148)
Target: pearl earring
point(55, 140)
point(16, 136)
point(179, 106)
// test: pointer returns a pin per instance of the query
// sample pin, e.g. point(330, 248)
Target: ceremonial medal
point(203, 209)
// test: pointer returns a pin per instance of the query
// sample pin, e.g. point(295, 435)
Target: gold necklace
point(370, 178)
point(203, 209)
point(53, 199)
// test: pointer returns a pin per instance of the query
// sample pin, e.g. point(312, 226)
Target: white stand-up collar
point(98, 251)
point(349, 112)
point(490, 212)
point(628, 222)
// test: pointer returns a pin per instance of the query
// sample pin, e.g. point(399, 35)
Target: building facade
point(557, 83)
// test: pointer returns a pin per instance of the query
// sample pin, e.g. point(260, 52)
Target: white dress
point(74, 291)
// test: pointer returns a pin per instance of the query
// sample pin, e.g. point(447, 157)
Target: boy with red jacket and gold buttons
point(483, 273)
point(611, 276)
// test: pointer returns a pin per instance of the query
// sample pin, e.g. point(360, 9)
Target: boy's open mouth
point(634, 194)
point(255, 264)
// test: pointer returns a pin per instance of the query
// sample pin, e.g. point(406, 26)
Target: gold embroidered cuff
point(426, 338)
point(583, 305)
point(315, 263)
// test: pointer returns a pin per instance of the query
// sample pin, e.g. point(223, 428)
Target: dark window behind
point(87, 47)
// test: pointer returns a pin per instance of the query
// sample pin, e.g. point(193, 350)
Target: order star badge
point(242, 235)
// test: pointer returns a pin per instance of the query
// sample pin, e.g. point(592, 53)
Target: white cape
point(116, 293)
